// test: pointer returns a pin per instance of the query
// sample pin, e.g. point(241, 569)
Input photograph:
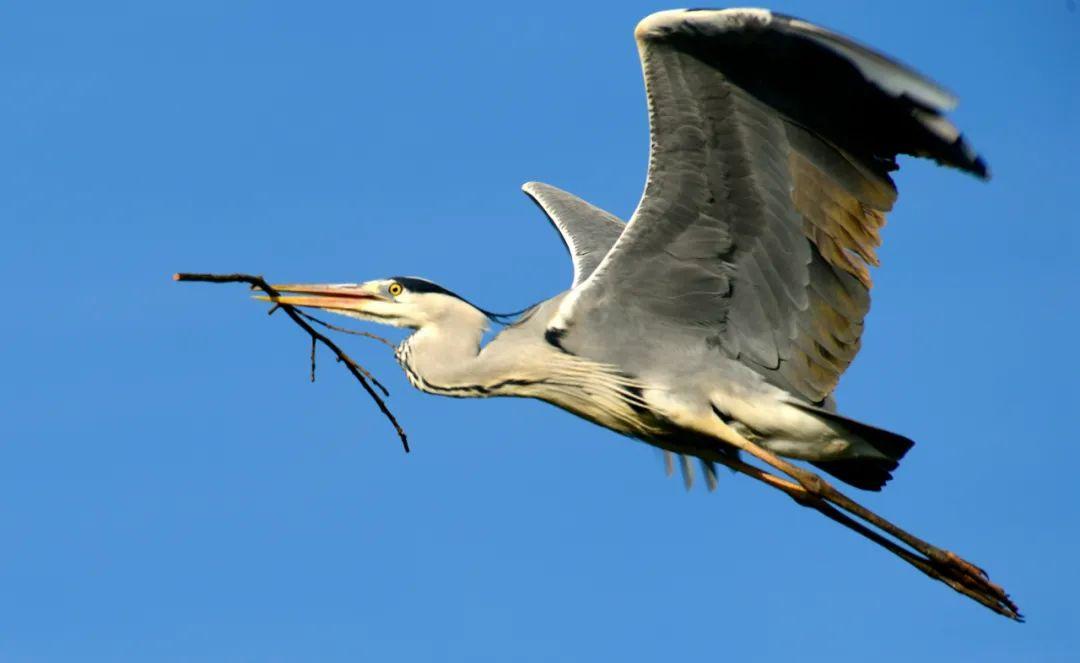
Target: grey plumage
point(587, 231)
point(719, 319)
point(753, 234)
point(734, 298)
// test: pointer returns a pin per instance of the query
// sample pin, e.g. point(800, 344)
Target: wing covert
point(771, 145)
point(587, 231)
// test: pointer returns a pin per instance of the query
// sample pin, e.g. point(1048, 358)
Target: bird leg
point(814, 491)
point(972, 587)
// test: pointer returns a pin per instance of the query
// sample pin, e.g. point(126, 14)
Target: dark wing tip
point(886, 107)
point(976, 164)
point(956, 154)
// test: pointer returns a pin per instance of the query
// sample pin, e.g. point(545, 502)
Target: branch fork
point(303, 320)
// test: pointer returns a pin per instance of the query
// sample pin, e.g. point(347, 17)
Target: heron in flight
point(717, 322)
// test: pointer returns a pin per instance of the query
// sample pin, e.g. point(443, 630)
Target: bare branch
point(346, 330)
point(360, 373)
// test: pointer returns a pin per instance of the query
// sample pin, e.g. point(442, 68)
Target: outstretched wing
point(588, 231)
point(771, 144)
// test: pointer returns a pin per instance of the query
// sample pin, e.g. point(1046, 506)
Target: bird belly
point(613, 412)
point(770, 420)
point(761, 414)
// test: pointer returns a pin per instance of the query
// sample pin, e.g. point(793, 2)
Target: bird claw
point(963, 572)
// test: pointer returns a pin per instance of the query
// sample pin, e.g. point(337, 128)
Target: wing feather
point(771, 145)
point(587, 231)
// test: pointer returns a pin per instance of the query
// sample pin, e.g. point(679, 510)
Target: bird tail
point(865, 472)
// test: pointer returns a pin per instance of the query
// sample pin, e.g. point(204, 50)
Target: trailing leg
point(814, 491)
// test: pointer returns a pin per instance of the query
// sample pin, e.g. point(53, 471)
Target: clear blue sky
point(172, 488)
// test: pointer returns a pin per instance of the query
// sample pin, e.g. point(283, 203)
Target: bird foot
point(957, 569)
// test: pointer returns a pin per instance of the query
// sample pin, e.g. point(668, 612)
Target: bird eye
point(395, 289)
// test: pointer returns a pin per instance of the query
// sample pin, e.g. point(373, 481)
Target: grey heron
point(719, 319)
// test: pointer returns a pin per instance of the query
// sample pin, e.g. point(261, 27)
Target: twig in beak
point(345, 330)
point(362, 375)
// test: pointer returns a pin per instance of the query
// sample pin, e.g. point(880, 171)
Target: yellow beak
point(329, 296)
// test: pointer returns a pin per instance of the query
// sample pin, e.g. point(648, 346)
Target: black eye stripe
point(420, 286)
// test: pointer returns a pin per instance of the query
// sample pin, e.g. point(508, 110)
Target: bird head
point(400, 301)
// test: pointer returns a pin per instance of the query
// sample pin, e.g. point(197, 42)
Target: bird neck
point(446, 358)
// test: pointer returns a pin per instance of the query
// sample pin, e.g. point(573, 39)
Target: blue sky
point(173, 488)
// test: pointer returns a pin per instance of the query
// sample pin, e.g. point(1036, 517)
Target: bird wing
point(771, 145)
point(587, 231)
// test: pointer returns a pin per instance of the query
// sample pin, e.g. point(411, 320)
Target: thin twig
point(346, 330)
point(369, 376)
point(362, 376)
point(355, 332)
